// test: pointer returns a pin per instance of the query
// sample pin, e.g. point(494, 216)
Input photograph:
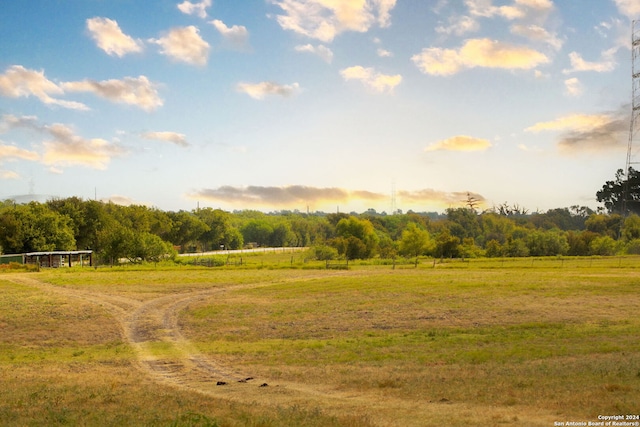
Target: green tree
point(355, 248)
point(116, 242)
point(493, 249)
point(633, 247)
point(631, 228)
point(604, 245)
point(323, 253)
point(447, 246)
point(515, 248)
point(622, 195)
point(282, 235)
point(387, 248)
point(464, 223)
point(547, 243)
point(497, 227)
point(34, 227)
point(221, 231)
point(146, 246)
point(415, 242)
point(563, 219)
point(606, 225)
point(352, 229)
point(580, 242)
point(187, 229)
point(257, 231)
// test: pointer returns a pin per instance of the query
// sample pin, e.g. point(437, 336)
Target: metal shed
point(59, 258)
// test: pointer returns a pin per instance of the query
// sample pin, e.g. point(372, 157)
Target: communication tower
point(634, 129)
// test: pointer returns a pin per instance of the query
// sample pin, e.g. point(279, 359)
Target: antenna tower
point(634, 128)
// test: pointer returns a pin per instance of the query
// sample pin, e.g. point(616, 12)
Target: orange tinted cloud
point(588, 132)
point(460, 143)
point(325, 19)
point(372, 79)
point(473, 53)
point(300, 195)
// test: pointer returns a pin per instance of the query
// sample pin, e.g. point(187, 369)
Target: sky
point(315, 105)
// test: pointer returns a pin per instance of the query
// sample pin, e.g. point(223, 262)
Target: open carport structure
point(59, 258)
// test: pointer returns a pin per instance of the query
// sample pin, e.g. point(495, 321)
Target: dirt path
point(163, 353)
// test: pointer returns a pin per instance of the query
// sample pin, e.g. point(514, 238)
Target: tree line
point(140, 233)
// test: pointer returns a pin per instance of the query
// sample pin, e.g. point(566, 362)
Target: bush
point(323, 253)
point(604, 246)
point(633, 247)
point(16, 266)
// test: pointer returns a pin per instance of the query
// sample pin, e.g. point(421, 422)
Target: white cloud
point(5, 174)
point(617, 30)
point(68, 149)
point(62, 146)
point(139, 91)
point(486, 9)
point(11, 152)
point(588, 132)
point(325, 19)
point(371, 78)
point(573, 122)
point(321, 50)
point(300, 195)
point(110, 38)
point(538, 34)
point(540, 5)
point(184, 44)
point(383, 53)
point(118, 199)
point(199, 9)
point(19, 82)
point(573, 87)
point(9, 122)
point(526, 149)
point(263, 89)
point(459, 26)
point(478, 53)
point(173, 137)
point(237, 34)
point(384, 8)
point(460, 143)
point(438, 62)
point(579, 64)
point(283, 196)
point(519, 9)
point(540, 75)
point(629, 8)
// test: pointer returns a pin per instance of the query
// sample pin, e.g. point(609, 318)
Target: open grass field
point(526, 342)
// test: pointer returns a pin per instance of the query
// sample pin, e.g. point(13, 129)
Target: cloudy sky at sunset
point(315, 104)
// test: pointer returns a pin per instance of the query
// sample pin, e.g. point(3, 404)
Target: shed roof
point(87, 252)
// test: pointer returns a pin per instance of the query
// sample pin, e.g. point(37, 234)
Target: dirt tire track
point(147, 325)
point(156, 322)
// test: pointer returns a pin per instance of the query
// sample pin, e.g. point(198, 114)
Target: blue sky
point(315, 104)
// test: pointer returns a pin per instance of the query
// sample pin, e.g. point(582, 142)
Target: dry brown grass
point(63, 362)
point(370, 346)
